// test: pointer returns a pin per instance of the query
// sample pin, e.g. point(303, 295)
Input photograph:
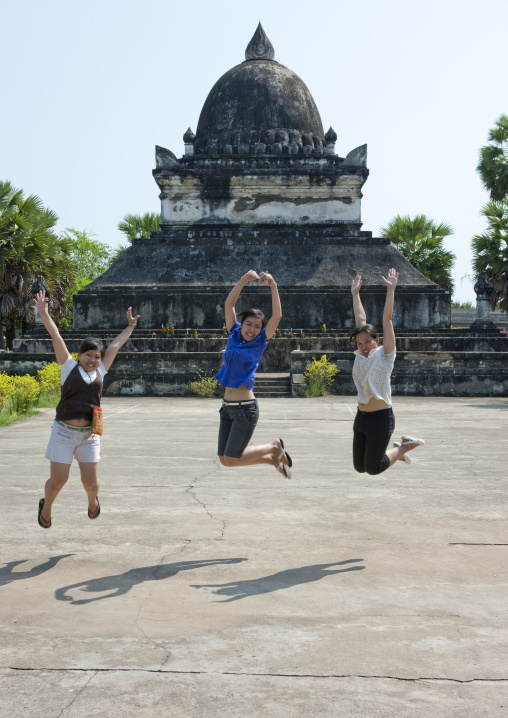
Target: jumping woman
point(374, 422)
point(71, 434)
point(239, 413)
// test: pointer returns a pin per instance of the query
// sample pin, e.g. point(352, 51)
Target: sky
point(90, 88)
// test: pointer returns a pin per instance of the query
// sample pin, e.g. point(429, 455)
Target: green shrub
point(6, 389)
point(49, 377)
point(26, 392)
point(205, 385)
point(319, 376)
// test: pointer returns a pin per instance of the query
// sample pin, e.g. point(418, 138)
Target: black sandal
point(290, 461)
point(97, 512)
point(41, 506)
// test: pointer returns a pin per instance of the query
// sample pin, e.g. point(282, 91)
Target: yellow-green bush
point(49, 377)
point(24, 392)
point(205, 385)
point(319, 376)
point(6, 389)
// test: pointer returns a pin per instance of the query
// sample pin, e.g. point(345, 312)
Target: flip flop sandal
point(284, 468)
point(410, 440)
point(41, 506)
point(290, 461)
point(97, 511)
point(405, 457)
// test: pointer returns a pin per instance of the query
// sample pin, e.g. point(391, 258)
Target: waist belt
point(73, 428)
point(238, 403)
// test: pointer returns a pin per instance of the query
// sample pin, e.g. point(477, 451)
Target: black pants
point(371, 434)
point(237, 424)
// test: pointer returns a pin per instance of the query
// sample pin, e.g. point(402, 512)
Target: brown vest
point(78, 398)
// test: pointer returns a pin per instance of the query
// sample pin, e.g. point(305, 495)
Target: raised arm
point(61, 351)
point(120, 340)
point(274, 320)
point(229, 305)
point(360, 316)
point(388, 331)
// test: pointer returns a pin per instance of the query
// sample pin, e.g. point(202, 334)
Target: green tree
point(29, 247)
point(421, 242)
point(490, 251)
point(139, 226)
point(90, 259)
point(493, 162)
point(136, 226)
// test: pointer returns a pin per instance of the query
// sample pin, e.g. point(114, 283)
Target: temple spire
point(260, 47)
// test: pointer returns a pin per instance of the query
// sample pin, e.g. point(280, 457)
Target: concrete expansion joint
point(241, 674)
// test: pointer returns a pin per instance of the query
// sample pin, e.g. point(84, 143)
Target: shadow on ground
point(120, 584)
point(8, 575)
point(278, 581)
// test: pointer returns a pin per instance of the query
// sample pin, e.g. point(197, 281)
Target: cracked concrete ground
point(206, 591)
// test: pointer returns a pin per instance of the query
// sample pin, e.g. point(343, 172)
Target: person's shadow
point(8, 575)
point(278, 581)
point(120, 584)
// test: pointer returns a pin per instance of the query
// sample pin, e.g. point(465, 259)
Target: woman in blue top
point(248, 338)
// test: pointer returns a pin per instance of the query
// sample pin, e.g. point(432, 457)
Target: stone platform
point(203, 591)
point(446, 362)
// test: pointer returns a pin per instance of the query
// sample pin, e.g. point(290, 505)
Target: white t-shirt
point(89, 377)
point(371, 375)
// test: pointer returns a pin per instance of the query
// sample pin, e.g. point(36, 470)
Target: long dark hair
point(92, 344)
point(367, 328)
point(252, 313)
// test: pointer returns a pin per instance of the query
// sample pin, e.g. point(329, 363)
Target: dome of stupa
point(259, 100)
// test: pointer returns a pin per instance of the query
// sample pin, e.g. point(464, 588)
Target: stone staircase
point(273, 385)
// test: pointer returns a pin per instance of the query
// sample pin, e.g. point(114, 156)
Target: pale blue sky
point(90, 88)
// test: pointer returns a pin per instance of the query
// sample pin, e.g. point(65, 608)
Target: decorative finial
point(260, 47)
point(40, 285)
point(331, 135)
point(189, 137)
point(483, 287)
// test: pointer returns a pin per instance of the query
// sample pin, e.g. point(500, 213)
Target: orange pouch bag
point(97, 425)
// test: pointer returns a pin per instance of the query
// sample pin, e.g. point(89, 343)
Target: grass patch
point(46, 400)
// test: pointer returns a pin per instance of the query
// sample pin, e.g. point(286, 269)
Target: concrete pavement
point(206, 591)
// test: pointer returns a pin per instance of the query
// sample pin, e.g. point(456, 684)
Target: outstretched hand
point(391, 280)
point(265, 278)
point(250, 276)
point(132, 320)
point(40, 300)
point(356, 284)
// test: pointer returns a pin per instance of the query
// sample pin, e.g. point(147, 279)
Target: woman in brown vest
point(71, 435)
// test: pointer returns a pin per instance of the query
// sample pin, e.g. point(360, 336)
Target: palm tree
point(493, 163)
point(28, 248)
point(490, 251)
point(421, 242)
point(139, 226)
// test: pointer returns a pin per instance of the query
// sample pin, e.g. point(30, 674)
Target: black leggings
point(371, 434)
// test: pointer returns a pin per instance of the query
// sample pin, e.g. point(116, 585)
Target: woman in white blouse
point(374, 422)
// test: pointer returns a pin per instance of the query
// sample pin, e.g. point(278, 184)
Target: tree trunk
point(10, 333)
point(2, 340)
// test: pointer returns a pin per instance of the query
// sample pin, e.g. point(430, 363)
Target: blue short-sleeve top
point(241, 359)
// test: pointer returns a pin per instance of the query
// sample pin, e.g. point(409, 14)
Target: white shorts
point(68, 441)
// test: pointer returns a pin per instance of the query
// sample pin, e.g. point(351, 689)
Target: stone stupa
point(260, 186)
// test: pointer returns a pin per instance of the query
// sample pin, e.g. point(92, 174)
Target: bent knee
point(374, 470)
point(228, 461)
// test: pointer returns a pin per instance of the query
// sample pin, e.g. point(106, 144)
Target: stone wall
point(426, 373)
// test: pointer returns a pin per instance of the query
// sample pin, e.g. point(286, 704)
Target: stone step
point(271, 384)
